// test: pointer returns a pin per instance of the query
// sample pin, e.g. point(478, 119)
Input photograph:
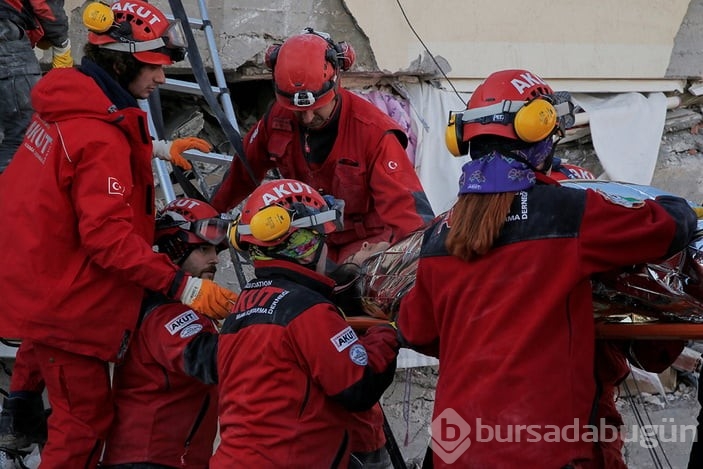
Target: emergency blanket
point(669, 291)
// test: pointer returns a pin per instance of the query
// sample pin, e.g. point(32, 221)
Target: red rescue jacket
point(367, 168)
point(163, 414)
point(77, 204)
point(292, 373)
point(514, 329)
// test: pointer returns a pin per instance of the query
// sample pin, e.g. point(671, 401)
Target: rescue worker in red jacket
point(335, 141)
point(82, 230)
point(342, 145)
point(511, 323)
point(291, 370)
point(165, 398)
point(23, 24)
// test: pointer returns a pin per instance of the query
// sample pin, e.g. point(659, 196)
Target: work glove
point(172, 150)
point(208, 298)
point(61, 56)
point(699, 211)
point(382, 345)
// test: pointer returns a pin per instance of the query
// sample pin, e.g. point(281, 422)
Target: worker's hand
point(699, 211)
point(366, 251)
point(172, 150)
point(382, 345)
point(61, 56)
point(208, 298)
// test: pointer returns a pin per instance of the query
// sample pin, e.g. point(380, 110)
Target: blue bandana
point(495, 172)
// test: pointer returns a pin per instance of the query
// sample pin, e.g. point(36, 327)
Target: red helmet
point(186, 223)
point(507, 85)
point(305, 70)
point(278, 208)
point(137, 27)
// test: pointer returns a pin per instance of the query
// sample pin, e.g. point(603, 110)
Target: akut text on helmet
point(283, 190)
point(138, 10)
point(528, 81)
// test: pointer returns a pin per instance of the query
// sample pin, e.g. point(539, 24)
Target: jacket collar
point(295, 273)
point(119, 96)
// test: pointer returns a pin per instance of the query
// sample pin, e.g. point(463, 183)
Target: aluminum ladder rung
point(212, 158)
point(188, 87)
point(196, 23)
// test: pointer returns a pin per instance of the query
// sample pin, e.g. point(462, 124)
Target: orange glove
point(208, 298)
point(172, 150)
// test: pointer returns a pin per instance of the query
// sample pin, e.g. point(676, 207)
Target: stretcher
point(646, 301)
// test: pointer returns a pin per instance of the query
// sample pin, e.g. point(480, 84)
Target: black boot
point(22, 422)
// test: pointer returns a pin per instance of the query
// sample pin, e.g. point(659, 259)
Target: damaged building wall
point(643, 45)
point(570, 40)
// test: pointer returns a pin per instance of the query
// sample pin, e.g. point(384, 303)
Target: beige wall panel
point(559, 39)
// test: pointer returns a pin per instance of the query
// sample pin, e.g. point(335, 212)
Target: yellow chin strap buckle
point(98, 17)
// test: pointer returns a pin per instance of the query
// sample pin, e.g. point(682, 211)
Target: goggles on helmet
point(173, 43)
point(211, 230)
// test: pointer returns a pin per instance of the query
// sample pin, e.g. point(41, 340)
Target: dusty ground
point(408, 407)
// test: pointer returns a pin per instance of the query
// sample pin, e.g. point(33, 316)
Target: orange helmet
point(136, 27)
point(306, 67)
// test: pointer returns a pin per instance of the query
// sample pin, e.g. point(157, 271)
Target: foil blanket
point(670, 291)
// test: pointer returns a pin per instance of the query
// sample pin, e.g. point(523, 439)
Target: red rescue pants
point(80, 396)
point(25, 372)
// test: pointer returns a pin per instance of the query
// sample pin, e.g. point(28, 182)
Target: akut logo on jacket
point(37, 139)
point(285, 189)
point(138, 10)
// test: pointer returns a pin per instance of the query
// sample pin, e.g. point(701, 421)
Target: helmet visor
point(175, 37)
point(175, 41)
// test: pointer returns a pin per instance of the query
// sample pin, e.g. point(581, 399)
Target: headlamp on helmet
point(306, 67)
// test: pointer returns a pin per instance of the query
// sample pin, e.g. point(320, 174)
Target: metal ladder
point(218, 99)
point(220, 91)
